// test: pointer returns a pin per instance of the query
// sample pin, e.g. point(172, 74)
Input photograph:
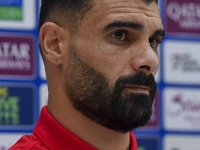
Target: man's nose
point(145, 59)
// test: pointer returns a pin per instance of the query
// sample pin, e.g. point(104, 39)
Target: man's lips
point(138, 88)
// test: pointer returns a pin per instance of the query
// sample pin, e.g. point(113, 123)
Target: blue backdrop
point(175, 122)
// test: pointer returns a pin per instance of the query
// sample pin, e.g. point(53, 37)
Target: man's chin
point(129, 115)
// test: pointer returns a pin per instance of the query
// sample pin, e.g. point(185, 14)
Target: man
point(100, 59)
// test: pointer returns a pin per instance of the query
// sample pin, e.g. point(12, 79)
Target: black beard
point(113, 107)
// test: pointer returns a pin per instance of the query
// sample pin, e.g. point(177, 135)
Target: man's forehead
point(127, 5)
point(124, 7)
point(135, 2)
point(106, 12)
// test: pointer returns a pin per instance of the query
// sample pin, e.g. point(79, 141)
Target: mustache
point(139, 78)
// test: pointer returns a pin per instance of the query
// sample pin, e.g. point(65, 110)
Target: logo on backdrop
point(11, 10)
point(147, 143)
point(141, 148)
point(9, 107)
point(181, 105)
point(16, 106)
point(183, 16)
point(182, 109)
point(181, 62)
point(181, 142)
point(18, 14)
point(184, 62)
point(16, 56)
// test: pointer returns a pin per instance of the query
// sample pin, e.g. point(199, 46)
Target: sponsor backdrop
point(175, 122)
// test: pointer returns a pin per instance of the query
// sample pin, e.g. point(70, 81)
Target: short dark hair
point(64, 12)
point(67, 11)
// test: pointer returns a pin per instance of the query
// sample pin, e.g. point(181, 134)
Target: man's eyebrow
point(160, 32)
point(122, 24)
point(132, 25)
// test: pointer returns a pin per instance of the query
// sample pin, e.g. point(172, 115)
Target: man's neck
point(89, 131)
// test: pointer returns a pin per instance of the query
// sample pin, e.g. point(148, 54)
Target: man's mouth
point(138, 89)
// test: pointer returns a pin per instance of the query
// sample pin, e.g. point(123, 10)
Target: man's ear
point(51, 35)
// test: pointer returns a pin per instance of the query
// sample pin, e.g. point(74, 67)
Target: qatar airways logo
point(183, 16)
point(16, 56)
point(179, 105)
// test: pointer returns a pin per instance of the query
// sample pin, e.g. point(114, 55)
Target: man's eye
point(153, 42)
point(119, 35)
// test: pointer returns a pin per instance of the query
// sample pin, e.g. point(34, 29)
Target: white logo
point(28, 21)
point(185, 62)
point(181, 62)
point(182, 109)
point(181, 142)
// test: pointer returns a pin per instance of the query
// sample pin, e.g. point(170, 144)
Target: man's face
point(112, 61)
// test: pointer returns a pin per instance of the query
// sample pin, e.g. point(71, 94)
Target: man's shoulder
point(28, 142)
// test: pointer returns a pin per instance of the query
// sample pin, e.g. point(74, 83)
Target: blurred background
point(175, 122)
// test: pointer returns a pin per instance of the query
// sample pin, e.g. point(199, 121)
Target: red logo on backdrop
point(16, 56)
point(182, 16)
